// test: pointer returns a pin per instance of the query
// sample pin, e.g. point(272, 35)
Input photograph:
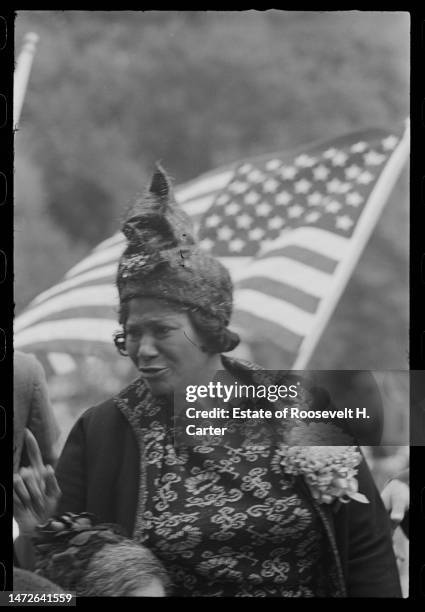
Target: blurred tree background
point(111, 92)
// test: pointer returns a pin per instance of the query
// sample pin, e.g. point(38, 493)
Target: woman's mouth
point(153, 372)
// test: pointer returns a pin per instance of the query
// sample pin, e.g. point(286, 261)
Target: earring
point(119, 341)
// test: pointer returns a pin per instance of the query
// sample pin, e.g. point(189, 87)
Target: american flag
point(289, 226)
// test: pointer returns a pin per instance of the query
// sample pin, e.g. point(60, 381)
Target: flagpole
point(377, 201)
point(22, 73)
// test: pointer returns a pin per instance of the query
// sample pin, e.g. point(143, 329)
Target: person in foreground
point(95, 559)
point(78, 553)
point(32, 409)
point(32, 412)
point(258, 511)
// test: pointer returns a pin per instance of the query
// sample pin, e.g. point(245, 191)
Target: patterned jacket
point(99, 472)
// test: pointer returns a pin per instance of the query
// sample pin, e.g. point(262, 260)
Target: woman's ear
point(119, 341)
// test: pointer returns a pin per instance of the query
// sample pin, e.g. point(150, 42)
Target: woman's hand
point(35, 490)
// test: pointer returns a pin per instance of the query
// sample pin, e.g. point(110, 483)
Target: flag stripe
point(325, 243)
point(282, 291)
point(307, 257)
point(198, 207)
point(104, 349)
point(87, 296)
point(236, 265)
point(85, 330)
point(117, 238)
point(96, 274)
point(268, 330)
point(285, 270)
point(274, 310)
point(96, 259)
point(90, 311)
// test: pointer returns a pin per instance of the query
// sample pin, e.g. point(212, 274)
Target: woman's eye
point(132, 335)
point(135, 335)
point(162, 331)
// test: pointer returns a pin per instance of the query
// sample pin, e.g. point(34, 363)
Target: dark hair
point(215, 337)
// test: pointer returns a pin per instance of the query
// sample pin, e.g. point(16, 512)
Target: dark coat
point(98, 472)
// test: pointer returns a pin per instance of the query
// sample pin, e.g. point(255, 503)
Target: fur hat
point(163, 261)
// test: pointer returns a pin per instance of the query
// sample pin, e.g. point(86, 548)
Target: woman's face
point(164, 346)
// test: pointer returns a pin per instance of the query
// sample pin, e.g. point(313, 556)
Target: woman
point(224, 513)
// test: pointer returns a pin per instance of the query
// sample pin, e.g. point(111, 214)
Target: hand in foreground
point(35, 490)
point(396, 498)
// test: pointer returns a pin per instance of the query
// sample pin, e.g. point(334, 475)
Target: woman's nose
point(147, 348)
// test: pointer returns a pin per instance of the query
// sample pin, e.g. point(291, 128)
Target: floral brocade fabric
point(222, 516)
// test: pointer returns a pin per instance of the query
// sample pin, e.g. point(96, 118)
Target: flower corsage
point(329, 471)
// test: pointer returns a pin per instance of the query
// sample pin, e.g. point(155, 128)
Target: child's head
point(96, 559)
point(123, 569)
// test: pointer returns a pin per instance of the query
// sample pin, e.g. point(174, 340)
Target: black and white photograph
point(211, 286)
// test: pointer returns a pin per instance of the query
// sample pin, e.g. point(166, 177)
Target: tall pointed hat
point(163, 261)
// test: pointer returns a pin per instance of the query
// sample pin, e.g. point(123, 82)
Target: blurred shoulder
point(26, 363)
point(28, 374)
